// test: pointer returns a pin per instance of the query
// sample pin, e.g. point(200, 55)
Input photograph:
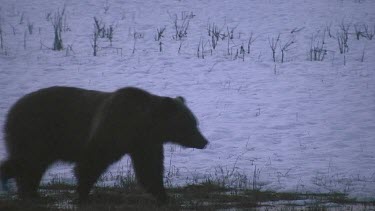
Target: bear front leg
point(87, 173)
point(7, 171)
point(148, 164)
point(28, 174)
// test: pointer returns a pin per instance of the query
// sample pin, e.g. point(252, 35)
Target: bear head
point(180, 125)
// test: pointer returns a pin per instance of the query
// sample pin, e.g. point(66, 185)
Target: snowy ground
point(300, 125)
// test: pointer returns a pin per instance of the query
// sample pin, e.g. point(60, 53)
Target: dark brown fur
point(94, 129)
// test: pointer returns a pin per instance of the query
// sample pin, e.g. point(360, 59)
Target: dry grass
point(203, 196)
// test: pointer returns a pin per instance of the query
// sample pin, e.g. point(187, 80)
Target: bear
point(93, 129)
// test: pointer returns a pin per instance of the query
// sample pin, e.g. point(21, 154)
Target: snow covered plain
point(296, 125)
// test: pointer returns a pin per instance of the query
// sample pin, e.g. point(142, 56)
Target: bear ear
point(169, 105)
point(180, 99)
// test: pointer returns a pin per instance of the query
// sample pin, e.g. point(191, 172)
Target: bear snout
point(202, 146)
point(201, 142)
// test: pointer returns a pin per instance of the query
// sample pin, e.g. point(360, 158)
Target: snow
point(300, 125)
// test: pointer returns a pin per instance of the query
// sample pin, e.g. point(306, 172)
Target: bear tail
point(6, 172)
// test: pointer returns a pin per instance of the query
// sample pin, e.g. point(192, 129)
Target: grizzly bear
point(94, 129)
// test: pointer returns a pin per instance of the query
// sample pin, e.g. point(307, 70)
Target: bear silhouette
point(94, 129)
